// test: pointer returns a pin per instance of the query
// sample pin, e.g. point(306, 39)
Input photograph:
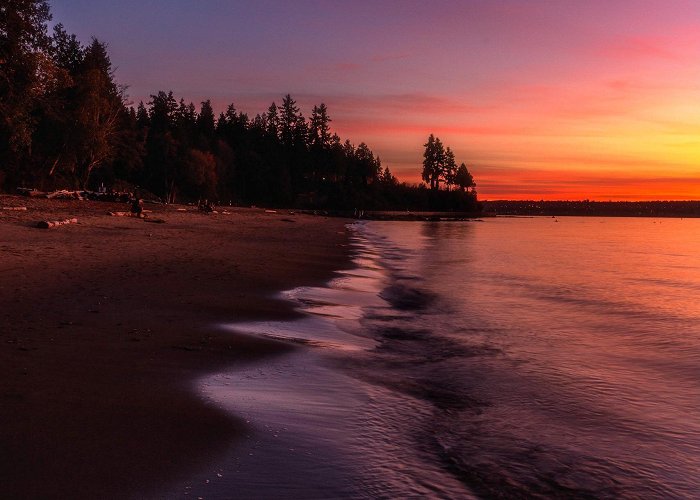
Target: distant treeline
point(66, 123)
point(595, 208)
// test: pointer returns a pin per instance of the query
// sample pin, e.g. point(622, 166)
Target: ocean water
point(507, 358)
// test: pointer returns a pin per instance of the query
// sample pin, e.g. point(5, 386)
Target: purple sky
point(541, 98)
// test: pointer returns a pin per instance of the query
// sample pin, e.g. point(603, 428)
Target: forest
point(66, 123)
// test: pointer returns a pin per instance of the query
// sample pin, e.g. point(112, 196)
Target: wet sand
point(104, 324)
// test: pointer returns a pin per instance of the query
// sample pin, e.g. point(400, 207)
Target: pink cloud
point(641, 47)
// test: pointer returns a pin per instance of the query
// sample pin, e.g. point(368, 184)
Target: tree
point(198, 174)
point(433, 162)
point(161, 147)
point(142, 118)
point(464, 179)
point(272, 120)
point(206, 124)
point(319, 130)
point(68, 52)
point(367, 165)
point(162, 109)
point(26, 71)
point(292, 126)
point(387, 177)
point(97, 107)
point(449, 169)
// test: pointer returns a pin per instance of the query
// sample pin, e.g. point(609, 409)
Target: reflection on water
point(580, 353)
point(510, 357)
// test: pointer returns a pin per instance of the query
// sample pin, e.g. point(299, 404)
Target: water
point(529, 357)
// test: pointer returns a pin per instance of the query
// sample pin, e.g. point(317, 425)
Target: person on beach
point(206, 206)
point(137, 206)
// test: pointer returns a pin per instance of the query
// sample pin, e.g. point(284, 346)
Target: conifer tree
point(433, 162)
point(464, 179)
point(98, 104)
point(205, 120)
point(450, 168)
point(25, 72)
point(319, 130)
point(273, 121)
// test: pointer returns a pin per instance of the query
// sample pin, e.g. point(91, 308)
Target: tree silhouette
point(98, 105)
point(449, 169)
point(291, 123)
point(433, 162)
point(319, 129)
point(25, 70)
point(464, 179)
point(64, 122)
point(206, 125)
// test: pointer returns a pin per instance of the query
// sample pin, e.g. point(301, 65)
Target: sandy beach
point(106, 322)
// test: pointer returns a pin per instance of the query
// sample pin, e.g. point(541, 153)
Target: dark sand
point(104, 324)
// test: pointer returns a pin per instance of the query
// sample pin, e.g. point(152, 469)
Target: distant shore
point(107, 321)
point(658, 208)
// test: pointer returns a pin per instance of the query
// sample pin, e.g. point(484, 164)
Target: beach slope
point(104, 324)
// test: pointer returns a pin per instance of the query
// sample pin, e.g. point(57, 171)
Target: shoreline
point(302, 409)
point(106, 323)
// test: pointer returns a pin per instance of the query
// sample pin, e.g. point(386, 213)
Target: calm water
point(505, 358)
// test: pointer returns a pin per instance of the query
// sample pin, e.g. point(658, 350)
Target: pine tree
point(450, 168)
point(464, 179)
point(433, 162)
point(273, 121)
point(25, 72)
point(292, 126)
point(142, 118)
point(68, 52)
point(319, 130)
point(98, 104)
point(205, 120)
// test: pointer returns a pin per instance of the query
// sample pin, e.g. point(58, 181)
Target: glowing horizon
point(541, 99)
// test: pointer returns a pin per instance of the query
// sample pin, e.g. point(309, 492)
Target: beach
point(106, 323)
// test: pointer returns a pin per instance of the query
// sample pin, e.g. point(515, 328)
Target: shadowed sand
point(105, 323)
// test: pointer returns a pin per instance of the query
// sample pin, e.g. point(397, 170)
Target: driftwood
point(65, 194)
point(31, 192)
point(142, 215)
point(15, 208)
point(44, 224)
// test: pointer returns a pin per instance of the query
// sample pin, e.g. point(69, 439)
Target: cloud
point(644, 47)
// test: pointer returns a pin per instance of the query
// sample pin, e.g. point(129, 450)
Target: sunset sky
point(542, 99)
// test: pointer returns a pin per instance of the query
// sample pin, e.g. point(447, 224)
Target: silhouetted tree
point(387, 177)
point(433, 162)
point(464, 179)
point(98, 105)
point(68, 52)
point(26, 74)
point(161, 146)
point(142, 119)
point(206, 125)
point(450, 168)
point(292, 126)
point(319, 129)
point(273, 121)
point(63, 120)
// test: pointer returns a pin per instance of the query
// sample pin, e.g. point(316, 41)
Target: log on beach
point(130, 214)
point(44, 224)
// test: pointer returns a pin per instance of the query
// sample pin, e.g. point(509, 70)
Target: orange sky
point(542, 99)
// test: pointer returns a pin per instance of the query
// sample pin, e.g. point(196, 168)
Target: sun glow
point(541, 99)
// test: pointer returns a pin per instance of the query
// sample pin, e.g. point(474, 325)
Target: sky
point(542, 99)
